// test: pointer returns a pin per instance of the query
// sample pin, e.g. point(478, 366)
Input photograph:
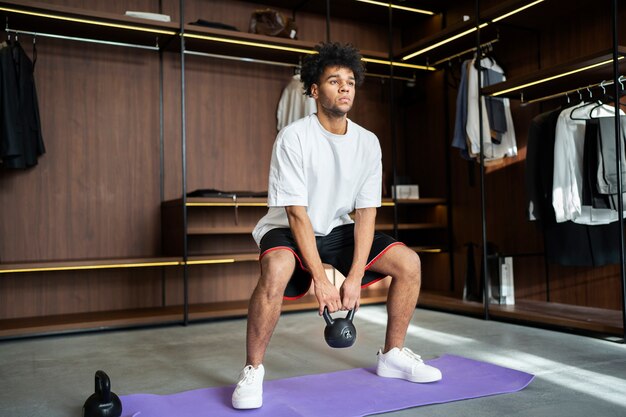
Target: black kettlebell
point(103, 403)
point(339, 333)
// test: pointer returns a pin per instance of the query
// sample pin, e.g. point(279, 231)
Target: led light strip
point(443, 42)
point(398, 64)
point(395, 6)
point(226, 204)
point(428, 250)
point(122, 265)
point(554, 77)
point(90, 22)
point(210, 261)
point(84, 267)
point(467, 32)
point(504, 16)
point(249, 43)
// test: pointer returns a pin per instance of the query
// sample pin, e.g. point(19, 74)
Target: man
point(324, 167)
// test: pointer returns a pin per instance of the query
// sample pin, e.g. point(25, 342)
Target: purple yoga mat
point(352, 393)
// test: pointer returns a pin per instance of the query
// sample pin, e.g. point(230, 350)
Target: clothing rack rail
point(467, 51)
point(73, 38)
point(601, 84)
point(279, 64)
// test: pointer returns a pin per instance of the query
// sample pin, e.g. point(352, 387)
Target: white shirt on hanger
point(294, 104)
point(567, 186)
point(508, 145)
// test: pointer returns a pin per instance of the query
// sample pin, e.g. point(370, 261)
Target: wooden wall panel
point(68, 292)
point(110, 6)
point(95, 193)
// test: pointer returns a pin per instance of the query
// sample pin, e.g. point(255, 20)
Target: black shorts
point(336, 249)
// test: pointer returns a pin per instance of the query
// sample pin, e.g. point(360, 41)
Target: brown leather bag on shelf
point(272, 23)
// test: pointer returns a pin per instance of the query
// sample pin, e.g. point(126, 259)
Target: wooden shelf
point(597, 320)
point(429, 249)
point(229, 257)
point(75, 22)
point(410, 226)
point(531, 312)
point(231, 43)
point(209, 230)
point(363, 12)
point(43, 18)
point(467, 41)
point(580, 72)
point(85, 264)
point(262, 202)
point(10, 328)
point(418, 201)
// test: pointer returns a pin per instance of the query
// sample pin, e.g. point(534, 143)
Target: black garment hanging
point(21, 140)
point(566, 243)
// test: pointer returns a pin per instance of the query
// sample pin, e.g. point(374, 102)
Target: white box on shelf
point(405, 191)
point(507, 288)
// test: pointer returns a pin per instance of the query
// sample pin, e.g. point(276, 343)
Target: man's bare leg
point(404, 267)
point(266, 301)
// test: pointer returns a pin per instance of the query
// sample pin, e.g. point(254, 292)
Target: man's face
point(335, 91)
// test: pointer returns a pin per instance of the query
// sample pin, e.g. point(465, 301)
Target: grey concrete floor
point(52, 376)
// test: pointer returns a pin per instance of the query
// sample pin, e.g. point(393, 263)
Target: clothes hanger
point(578, 106)
point(601, 101)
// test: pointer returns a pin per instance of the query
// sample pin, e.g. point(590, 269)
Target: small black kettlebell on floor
point(103, 403)
point(339, 333)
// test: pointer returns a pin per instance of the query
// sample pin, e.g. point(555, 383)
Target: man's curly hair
point(330, 54)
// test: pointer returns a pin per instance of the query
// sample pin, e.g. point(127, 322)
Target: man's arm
point(364, 224)
point(326, 293)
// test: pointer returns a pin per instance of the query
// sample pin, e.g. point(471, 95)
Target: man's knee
point(410, 267)
point(276, 269)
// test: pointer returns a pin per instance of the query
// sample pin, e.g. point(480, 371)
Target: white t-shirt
point(330, 175)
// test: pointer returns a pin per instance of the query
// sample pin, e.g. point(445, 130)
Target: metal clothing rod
point(236, 58)
point(450, 58)
point(574, 90)
point(277, 63)
point(72, 38)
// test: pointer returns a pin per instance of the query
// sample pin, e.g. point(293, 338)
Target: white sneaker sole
point(247, 403)
point(385, 372)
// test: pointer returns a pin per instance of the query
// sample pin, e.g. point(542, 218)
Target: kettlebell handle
point(103, 386)
point(329, 320)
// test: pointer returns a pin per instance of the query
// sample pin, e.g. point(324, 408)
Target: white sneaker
point(249, 390)
point(404, 364)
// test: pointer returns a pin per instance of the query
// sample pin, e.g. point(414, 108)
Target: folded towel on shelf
point(147, 15)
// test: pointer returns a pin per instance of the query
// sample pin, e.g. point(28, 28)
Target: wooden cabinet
point(220, 246)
